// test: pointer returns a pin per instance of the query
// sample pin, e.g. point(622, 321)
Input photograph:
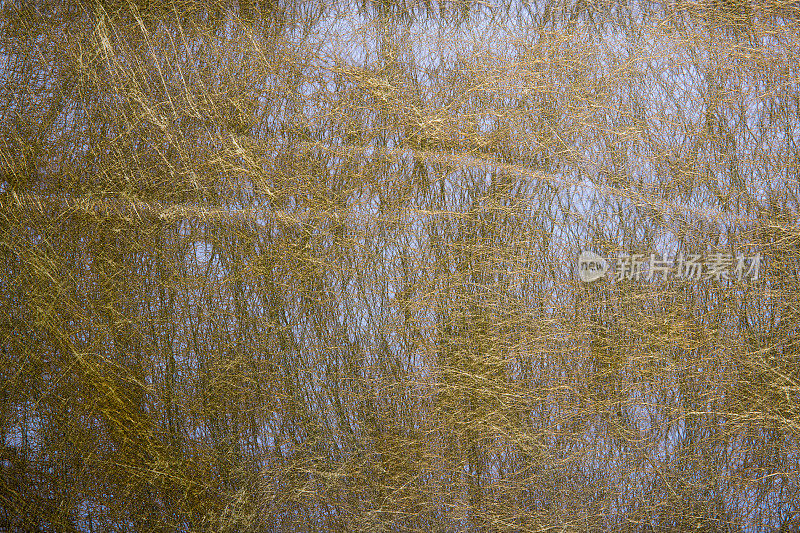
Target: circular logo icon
point(591, 266)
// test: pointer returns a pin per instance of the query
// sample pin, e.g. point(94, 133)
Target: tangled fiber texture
point(305, 266)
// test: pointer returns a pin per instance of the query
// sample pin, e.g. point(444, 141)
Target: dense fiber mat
point(397, 266)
